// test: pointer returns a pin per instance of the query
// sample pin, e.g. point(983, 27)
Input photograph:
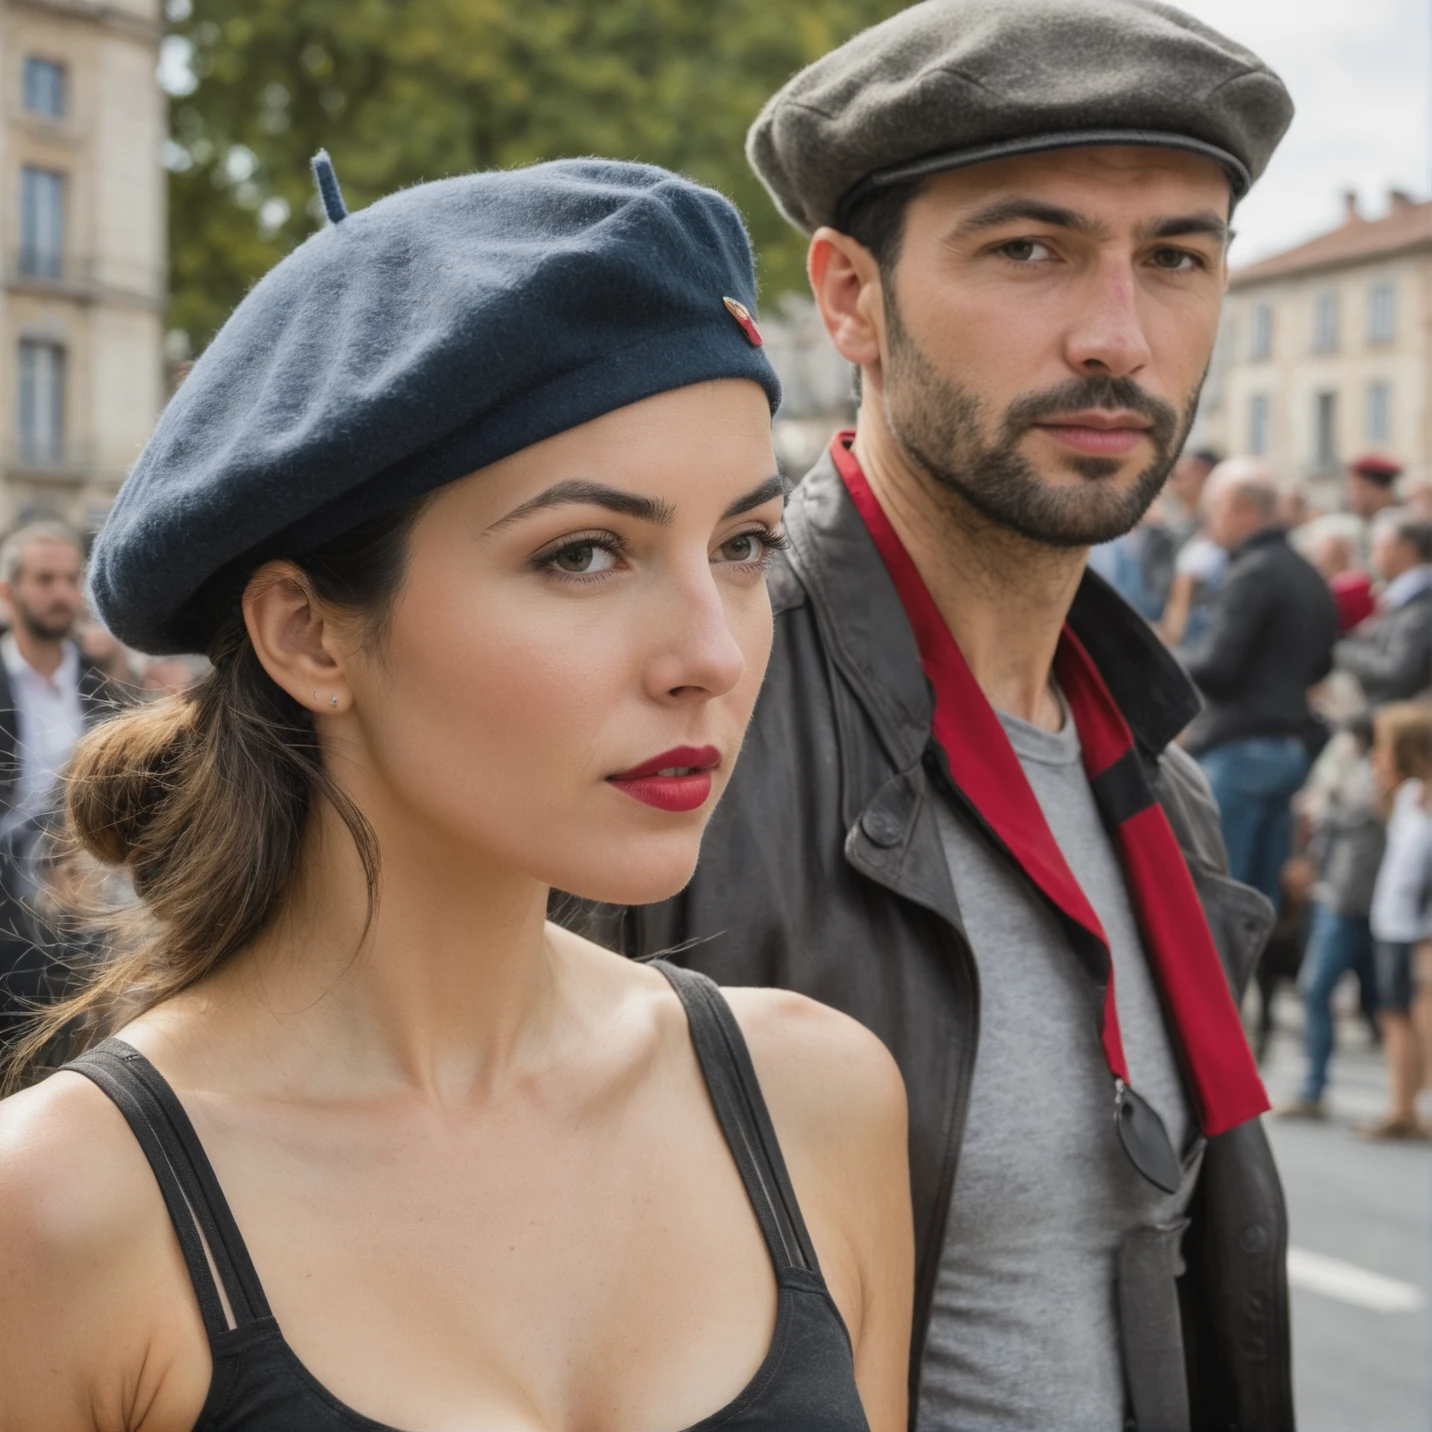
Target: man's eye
point(1176, 260)
point(583, 558)
point(1025, 250)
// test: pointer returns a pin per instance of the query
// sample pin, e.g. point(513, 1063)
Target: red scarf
point(1224, 1080)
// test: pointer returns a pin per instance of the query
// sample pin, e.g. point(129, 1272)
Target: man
point(49, 695)
point(1331, 547)
point(1391, 653)
point(1183, 494)
point(1018, 213)
point(1371, 484)
point(1270, 638)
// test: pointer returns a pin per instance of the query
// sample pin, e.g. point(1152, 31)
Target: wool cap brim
point(951, 83)
point(409, 344)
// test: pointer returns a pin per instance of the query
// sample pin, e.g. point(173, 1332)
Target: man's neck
point(1003, 597)
point(42, 655)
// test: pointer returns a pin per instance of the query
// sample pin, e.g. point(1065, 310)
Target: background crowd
point(1310, 635)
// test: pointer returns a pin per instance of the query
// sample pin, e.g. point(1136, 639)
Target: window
point(1379, 412)
point(1381, 313)
point(44, 87)
point(1325, 323)
point(1325, 431)
point(1258, 424)
point(42, 222)
point(41, 416)
point(1262, 331)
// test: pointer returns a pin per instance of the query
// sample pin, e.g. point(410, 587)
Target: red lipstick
point(676, 780)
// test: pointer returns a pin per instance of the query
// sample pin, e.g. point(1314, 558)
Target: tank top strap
point(197, 1207)
point(741, 1110)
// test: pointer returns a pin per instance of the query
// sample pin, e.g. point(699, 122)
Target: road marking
point(1317, 1273)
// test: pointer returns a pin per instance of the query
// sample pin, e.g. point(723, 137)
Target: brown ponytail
point(203, 799)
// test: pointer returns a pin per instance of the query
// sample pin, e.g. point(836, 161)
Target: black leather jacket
point(823, 872)
point(1270, 637)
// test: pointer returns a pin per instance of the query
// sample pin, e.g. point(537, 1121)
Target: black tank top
point(805, 1384)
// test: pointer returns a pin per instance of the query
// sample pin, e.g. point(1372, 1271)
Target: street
point(1360, 1259)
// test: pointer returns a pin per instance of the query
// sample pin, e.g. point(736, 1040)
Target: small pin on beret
point(950, 83)
point(408, 344)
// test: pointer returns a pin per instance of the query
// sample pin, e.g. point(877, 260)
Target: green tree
point(401, 91)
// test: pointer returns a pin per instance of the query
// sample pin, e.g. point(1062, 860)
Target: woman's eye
point(583, 558)
point(745, 547)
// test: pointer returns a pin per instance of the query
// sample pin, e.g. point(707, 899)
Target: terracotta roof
point(1407, 226)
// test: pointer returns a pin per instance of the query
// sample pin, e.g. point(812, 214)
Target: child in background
point(1402, 763)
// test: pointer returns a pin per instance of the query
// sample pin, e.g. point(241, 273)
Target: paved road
point(1361, 1232)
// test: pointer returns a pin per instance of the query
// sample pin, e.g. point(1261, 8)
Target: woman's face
point(576, 618)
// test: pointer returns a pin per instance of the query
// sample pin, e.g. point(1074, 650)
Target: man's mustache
point(1081, 394)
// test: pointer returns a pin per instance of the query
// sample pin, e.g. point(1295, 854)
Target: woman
point(1401, 915)
point(468, 504)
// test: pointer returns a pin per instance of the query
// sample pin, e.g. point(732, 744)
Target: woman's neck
point(451, 988)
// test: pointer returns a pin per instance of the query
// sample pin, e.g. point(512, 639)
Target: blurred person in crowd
point(1401, 913)
point(1180, 502)
point(1330, 542)
point(50, 694)
point(1342, 804)
point(1271, 632)
point(1371, 486)
point(1294, 508)
point(1390, 654)
point(1139, 565)
point(103, 651)
point(1418, 497)
point(1199, 569)
point(964, 754)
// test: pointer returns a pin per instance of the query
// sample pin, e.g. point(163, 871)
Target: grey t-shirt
point(1024, 1332)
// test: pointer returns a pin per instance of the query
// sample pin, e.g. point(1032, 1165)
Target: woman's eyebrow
point(592, 494)
point(630, 504)
point(773, 486)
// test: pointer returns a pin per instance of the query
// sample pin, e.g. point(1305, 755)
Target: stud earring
point(333, 701)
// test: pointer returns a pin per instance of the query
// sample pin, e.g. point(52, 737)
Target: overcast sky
point(1360, 72)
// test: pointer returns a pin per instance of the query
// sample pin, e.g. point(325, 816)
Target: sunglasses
point(1145, 1139)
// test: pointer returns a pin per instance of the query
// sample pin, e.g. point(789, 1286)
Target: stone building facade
point(82, 233)
point(1326, 351)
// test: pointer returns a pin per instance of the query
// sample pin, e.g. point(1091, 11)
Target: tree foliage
point(401, 91)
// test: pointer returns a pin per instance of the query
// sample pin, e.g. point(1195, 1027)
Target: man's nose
point(1108, 338)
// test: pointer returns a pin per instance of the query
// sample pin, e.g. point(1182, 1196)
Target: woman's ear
point(295, 640)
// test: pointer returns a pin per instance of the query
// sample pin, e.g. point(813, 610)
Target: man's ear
point(845, 280)
point(294, 640)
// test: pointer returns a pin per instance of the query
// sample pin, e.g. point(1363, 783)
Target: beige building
point(1326, 351)
point(82, 228)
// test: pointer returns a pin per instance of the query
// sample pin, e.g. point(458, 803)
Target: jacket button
point(1254, 1239)
point(882, 827)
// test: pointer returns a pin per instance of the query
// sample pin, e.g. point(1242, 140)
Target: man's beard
point(938, 425)
point(40, 627)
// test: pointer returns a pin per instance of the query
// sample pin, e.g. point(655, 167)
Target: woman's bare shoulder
point(824, 1074)
point(71, 1174)
point(83, 1231)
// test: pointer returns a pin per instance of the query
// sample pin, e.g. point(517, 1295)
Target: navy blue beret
point(408, 344)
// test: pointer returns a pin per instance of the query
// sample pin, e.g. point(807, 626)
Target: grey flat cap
point(950, 83)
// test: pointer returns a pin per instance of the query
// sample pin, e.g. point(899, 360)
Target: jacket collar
point(867, 635)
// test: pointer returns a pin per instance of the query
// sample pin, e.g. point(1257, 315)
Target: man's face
point(1047, 328)
point(1365, 497)
point(1391, 555)
point(46, 594)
